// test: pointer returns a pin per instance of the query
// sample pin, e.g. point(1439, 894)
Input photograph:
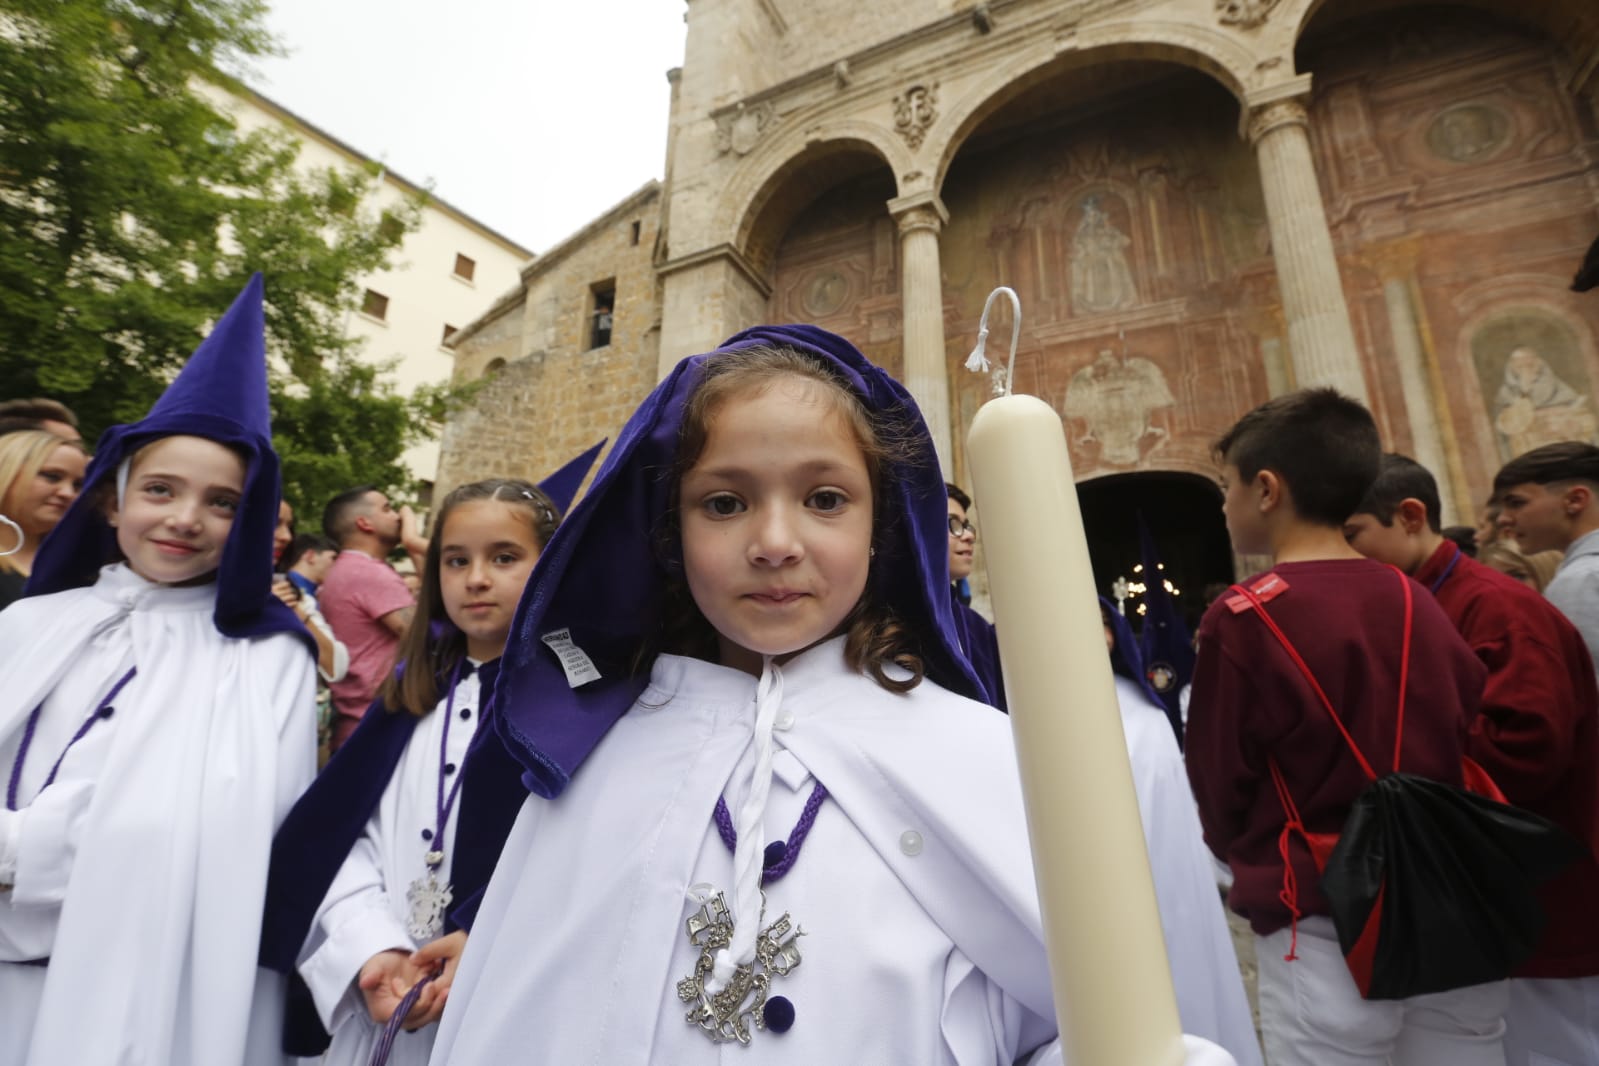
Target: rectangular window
point(601, 318)
point(465, 267)
point(449, 331)
point(638, 227)
point(376, 305)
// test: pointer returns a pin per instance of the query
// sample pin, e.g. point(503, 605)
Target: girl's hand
point(384, 981)
point(430, 1004)
point(284, 590)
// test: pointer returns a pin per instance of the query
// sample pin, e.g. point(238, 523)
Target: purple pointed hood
point(221, 395)
point(561, 487)
point(603, 579)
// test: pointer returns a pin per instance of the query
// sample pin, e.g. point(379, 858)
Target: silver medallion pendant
point(429, 900)
point(733, 1012)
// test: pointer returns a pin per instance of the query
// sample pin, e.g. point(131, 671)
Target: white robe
point(365, 910)
point(914, 890)
point(140, 872)
point(1204, 968)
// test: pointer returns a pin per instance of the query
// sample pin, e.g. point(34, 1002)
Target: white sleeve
point(356, 921)
point(45, 842)
point(341, 654)
point(293, 681)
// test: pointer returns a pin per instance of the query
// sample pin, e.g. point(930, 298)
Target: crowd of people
point(718, 757)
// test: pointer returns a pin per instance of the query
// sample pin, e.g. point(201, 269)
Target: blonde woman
point(40, 475)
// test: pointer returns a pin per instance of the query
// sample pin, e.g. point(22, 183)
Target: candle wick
point(978, 361)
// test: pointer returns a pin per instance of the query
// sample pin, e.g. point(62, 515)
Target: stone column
point(1320, 338)
point(1420, 381)
point(707, 296)
point(926, 369)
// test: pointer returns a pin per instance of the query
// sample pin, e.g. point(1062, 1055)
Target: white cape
point(161, 872)
point(914, 890)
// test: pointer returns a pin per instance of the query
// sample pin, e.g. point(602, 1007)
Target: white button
point(785, 720)
point(701, 892)
point(910, 842)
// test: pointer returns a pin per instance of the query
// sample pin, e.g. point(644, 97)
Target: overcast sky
point(533, 116)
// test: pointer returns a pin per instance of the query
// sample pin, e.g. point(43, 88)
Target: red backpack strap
point(1404, 666)
point(1288, 895)
point(1304, 668)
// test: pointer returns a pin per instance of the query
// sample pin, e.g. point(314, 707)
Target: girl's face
point(182, 495)
point(486, 551)
point(777, 522)
point(40, 504)
point(284, 532)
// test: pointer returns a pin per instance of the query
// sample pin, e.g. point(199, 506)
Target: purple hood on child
point(602, 578)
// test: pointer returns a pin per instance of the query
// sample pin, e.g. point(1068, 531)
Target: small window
point(494, 367)
point(449, 330)
point(638, 228)
point(603, 315)
point(376, 305)
point(465, 267)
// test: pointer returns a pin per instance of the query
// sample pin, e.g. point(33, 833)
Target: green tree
point(132, 210)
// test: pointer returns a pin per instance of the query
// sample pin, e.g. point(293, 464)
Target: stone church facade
point(1202, 203)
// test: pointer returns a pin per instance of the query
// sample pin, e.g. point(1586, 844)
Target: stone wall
point(555, 396)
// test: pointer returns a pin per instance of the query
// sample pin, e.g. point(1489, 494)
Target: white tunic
point(365, 910)
point(1204, 968)
point(914, 890)
point(140, 872)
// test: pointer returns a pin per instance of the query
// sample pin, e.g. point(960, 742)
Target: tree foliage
point(133, 210)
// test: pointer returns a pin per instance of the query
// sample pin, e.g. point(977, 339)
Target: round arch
point(776, 182)
point(1211, 52)
point(1572, 25)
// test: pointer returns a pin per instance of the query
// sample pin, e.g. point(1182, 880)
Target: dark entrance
point(1183, 513)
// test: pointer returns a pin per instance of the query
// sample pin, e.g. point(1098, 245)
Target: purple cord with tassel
point(391, 1031)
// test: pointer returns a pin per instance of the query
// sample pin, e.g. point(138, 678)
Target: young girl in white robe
point(369, 862)
point(156, 722)
point(767, 813)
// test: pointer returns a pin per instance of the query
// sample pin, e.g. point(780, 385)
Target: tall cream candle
point(1113, 990)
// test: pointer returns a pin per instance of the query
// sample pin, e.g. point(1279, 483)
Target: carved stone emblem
point(741, 130)
point(1468, 133)
point(1248, 14)
point(914, 112)
point(1115, 400)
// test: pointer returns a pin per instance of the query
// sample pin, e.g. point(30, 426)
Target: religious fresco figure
point(1102, 280)
point(1535, 407)
point(1116, 399)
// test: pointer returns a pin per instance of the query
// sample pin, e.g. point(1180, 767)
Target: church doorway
point(1183, 515)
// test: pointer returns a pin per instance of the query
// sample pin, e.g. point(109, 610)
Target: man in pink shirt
point(363, 599)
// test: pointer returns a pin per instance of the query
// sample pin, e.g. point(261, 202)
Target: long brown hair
point(874, 636)
point(432, 645)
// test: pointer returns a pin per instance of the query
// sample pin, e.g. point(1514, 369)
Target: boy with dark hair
point(1549, 499)
point(1293, 471)
point(1537, 735)
point(977, 636)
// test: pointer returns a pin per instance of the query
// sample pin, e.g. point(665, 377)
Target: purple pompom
point(778, 1014)
point(775, 853)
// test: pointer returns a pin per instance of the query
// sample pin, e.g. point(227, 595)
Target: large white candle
point(1113, 990)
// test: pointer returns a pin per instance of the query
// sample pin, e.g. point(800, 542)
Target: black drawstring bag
point(1432, 887)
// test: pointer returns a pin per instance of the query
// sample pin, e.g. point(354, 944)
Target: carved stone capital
point(922, 211)
point(1276, 106)
point(1262, 120)
point(914, 113)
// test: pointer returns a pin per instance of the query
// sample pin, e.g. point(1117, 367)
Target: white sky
point(532, 116)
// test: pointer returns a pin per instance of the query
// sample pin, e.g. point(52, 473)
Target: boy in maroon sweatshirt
point(1537, 735)
point(1293, 471)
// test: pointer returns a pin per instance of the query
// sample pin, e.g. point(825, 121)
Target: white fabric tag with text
point(580, 669)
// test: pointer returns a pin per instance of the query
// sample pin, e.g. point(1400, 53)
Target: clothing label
point(580, 669)
point(1266, 589)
